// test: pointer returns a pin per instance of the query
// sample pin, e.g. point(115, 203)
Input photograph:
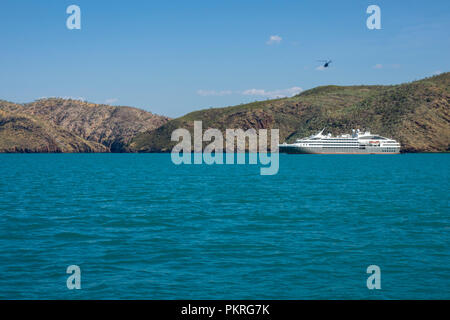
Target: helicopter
point(327, 63)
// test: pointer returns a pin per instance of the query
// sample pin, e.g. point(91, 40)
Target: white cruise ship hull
point(356, 143)
point(295, 149)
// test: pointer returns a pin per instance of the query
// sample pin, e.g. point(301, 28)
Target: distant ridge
point(417, 114)
point(102, 128)
point(25, 134)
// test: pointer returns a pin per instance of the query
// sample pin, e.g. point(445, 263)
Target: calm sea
point(140, 227)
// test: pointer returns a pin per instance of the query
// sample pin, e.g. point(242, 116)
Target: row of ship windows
point(320, 143)
point(347, 142)
point(345, 139)
point(344, 144)
point(352, 148)
point(330, 145)
point(384, 148)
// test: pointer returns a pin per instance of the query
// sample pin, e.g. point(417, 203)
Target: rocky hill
point(24, 133)
point(417, 114)
point(110, 126)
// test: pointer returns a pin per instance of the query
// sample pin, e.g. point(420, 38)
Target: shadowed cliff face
point(417, 114)
point(110, 126)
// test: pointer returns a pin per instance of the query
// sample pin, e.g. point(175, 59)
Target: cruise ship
point(355, 143)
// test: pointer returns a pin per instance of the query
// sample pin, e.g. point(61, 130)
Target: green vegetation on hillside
point(417, 114)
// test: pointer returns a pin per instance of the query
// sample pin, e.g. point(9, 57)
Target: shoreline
point(168, 152)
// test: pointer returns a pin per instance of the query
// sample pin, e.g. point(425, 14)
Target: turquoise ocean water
point(141, 227)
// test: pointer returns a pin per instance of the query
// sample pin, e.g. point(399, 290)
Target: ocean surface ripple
point(141, 227)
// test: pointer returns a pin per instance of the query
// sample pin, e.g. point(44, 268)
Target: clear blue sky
point(173, 57)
